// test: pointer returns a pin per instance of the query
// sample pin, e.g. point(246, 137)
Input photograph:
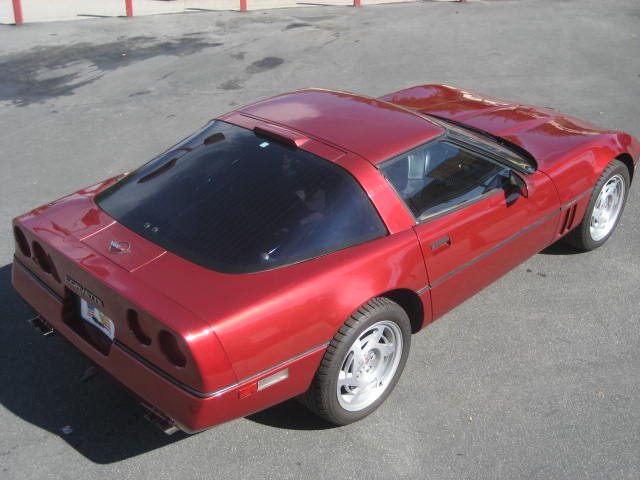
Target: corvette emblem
point(83, 291)
point(119, 247)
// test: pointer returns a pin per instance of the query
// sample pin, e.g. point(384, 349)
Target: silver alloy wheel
point(369, 366)
point(607, 208)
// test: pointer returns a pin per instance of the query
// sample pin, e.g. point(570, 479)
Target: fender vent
point(568, 220)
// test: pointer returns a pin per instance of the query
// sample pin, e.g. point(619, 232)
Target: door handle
point(441, 244)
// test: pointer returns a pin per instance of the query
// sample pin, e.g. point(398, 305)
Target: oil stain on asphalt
point(233, 84)
point(43, 73)
point(267, 63)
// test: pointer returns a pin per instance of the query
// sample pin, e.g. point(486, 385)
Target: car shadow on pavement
point(560, 248)
point(290, 415)
point(41, 384)
point(45, 383)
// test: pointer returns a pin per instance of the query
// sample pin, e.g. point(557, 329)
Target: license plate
point(95, 317)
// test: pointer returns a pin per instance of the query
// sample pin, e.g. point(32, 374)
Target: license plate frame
point(93, 316)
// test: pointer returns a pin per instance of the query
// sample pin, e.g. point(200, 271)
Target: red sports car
point(291, 247)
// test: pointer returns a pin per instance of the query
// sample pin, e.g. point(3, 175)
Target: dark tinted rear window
point(232, 201)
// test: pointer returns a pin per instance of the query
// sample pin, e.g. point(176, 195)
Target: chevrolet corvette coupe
point(291, 248)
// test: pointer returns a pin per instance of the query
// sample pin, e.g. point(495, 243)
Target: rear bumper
point(189, 410)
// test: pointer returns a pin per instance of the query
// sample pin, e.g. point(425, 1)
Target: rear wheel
point(362, 363)
point(604, 209)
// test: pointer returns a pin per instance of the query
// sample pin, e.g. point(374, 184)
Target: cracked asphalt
point(537, 377)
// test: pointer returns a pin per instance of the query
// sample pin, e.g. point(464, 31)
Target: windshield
point(503, 148)
point(235, 202)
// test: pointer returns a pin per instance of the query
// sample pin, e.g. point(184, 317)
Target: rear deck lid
point(123, 247)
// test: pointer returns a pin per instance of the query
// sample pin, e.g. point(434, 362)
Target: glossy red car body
point(235, 330)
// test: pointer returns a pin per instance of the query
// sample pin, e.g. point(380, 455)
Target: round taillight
point(21, 242)
point(41, 257)
point(136, 329)
point(170, 348)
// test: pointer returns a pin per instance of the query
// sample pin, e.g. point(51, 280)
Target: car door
point(476, 218)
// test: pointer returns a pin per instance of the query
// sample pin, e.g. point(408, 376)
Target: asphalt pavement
point(537, 377)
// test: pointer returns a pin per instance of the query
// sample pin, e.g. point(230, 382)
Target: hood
point(545, 133)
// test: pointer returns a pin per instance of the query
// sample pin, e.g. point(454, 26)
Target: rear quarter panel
point(265, 318)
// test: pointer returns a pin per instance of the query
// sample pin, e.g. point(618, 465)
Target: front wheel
point(362, 363)
point(604, 209)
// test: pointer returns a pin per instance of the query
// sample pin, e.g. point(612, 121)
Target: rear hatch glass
point(232, 201)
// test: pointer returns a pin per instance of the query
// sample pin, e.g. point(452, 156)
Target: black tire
point(379, 318)
point(583, 237)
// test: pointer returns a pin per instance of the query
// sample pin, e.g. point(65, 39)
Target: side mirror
point(518, 184)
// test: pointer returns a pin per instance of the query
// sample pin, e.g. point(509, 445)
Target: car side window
point(441, 176)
